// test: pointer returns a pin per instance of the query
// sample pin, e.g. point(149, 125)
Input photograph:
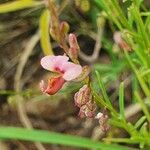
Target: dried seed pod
point(88, 110)
point(82, 96)
point(103, 121)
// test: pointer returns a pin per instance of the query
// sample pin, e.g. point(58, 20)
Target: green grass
point(7, 133)
point(132, 19)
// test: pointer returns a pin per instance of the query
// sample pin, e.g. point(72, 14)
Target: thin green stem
point(145, 110)
point(141, 80)
point(121, 100)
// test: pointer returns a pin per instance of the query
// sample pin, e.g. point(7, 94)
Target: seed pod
point(88, 110)
point(82, 96)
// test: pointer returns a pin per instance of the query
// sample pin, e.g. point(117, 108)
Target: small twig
point(23, 59)
point(17, 84)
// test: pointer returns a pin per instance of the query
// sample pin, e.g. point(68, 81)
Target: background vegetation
point(120, 75)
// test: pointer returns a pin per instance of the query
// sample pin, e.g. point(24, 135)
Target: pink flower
point(67, 71)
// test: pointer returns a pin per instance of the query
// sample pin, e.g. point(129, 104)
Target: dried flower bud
point(82, 112)
point(73, 41)
point(74, 47)
point(103, 121)
point(82, 96)
point(91, 108)
point(88, 110)
point(120, 42)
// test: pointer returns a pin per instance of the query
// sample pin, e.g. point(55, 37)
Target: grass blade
point(17, 5)
point(121, 100)
point(145, 110)
point(44, 33)
point(101, 85)
point(140, 122)
point(54, 138)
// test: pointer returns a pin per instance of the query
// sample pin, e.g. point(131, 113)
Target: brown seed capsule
point(103, 121)
point(87, 110)
point(82, 96)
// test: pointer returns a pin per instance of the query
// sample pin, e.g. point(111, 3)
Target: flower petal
point(53, 86)
point(52, 62)
point(71, 71)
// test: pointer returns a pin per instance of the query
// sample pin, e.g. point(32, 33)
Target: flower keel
point(53, 86)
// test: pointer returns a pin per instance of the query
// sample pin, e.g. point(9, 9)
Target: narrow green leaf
point(144, 130)
point(44, 33)
point(140, 122)
point(104, 5)
point(17, 5)
point(145, 110)
point(144, 133)
point(100, 4)
point(135, 87)
point(100, 102)
point(54, 138)
point(140, 79)
point(121, 15)
point(147, 22)
point(140, 24)
point(145, 13)
point(102, 87)
point(122, 140)
point(121, 100)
